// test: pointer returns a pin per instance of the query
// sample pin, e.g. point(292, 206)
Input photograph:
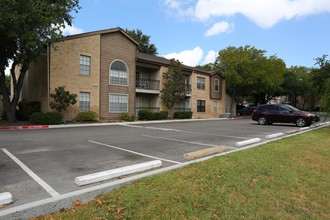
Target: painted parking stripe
point(218, 135)
point(42, 183)
point(152, 128)
point(177, 140)
point(134, 152)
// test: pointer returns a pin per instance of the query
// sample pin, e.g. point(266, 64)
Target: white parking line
point(218, 135)
point(177, 140)
point(42, 183)
point(153, 128)
point(134, 152)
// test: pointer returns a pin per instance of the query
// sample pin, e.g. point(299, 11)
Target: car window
point(284, 109)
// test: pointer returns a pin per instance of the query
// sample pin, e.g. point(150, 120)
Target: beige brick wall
point(65, 70)
point(198, 94)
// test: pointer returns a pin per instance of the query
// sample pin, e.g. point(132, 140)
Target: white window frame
point(201, 85)
point(216, 83)
point(84, 65)
point(215, 106)
point(119, 73)
point(80, 101)
point(118, 109)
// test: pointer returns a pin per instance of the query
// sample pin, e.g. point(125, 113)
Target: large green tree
point(321, 80)
point(26, 27)
point(144, 42)
point(174, 88)
point(298, 82)
point(249, 72)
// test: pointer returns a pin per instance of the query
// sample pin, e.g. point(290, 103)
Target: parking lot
point(43, 163)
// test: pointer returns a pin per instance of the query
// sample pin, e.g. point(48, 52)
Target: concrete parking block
point(247, 142)
point(110, 174)
point(274, 135)
point(205, 152)
point(5, 198)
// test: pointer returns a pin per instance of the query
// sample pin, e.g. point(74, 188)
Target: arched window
point(118, 73)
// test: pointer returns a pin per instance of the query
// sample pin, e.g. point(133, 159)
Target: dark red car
point(269, 114)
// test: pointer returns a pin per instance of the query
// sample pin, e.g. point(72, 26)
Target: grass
point(286, 179)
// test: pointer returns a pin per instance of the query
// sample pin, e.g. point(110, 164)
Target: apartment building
point(110, 77)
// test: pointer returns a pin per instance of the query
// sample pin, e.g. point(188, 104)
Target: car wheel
point(301, 122)
point(262, 120)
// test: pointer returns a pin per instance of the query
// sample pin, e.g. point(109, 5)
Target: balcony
point(147, 86)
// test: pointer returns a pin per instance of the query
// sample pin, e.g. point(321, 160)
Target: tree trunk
point(10, 105)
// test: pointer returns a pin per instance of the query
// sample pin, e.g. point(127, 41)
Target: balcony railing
point(148, 84)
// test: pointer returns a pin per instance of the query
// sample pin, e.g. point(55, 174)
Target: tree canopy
point(249, 72)
point(144, 42)
point(174, 88)
point(26, 27)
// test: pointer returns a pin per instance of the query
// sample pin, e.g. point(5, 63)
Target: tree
point(249, 72)
point(144, 42)
point(321, 80)
point(26, 28)
point(174, 88)
point(62, 100)
point(298, 82)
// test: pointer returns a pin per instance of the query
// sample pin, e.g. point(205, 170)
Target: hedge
point(49, 118)
point(89, 116)
point(148, 115)
point(182, 115)
point(25, 109)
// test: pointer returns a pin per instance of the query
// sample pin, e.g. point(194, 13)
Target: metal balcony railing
point(148, 84)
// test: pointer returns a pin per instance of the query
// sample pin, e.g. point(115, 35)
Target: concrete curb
point(247, 142)
point(102, 124)
point(204, 152)
point(6, 198)
point(274, 135)
point(110, 174)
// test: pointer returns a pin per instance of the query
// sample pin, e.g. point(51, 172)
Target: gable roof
point(100, 32)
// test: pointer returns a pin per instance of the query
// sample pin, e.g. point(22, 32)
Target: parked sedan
point(246, 110)
point(269, 114)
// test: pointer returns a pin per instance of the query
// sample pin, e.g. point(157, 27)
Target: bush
point(183, 115)
point(49, 118)
point(148, 115)
point(89, 116)
point(25, 109)
point(316, 109)
point(159, 115)
point(145, 114)
point(127, 117)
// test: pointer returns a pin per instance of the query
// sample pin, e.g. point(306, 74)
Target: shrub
point(89, 116)
point(183, 115)
point(316, 109)
point(159, 115)
point(27, 108)
point(127, 117)
point(49, 118)
point(145, 114)
point(148, 115)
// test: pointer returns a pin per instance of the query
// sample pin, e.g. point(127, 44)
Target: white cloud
point(210, 57)
point(265, 13)
point(193, 57)
point(220, 27)
point(71, 30)
point(188, 57)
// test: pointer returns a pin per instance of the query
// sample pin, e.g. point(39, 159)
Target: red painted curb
point(24, 127)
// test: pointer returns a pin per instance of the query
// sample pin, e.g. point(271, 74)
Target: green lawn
point(286, 179)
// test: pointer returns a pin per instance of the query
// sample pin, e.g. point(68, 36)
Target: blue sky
point(193, 31)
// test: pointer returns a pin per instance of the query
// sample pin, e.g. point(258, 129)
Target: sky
point(194, 31)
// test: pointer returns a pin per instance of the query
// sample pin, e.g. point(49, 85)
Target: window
point(118, 103)
point(215, 106)
point(85, 65)
point(216, 85)
point(200, 83)
point(84, 101)
point(200, 105)
point(118, 73)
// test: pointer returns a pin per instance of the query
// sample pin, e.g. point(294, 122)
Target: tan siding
point(116, 46)
point(65, 69)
